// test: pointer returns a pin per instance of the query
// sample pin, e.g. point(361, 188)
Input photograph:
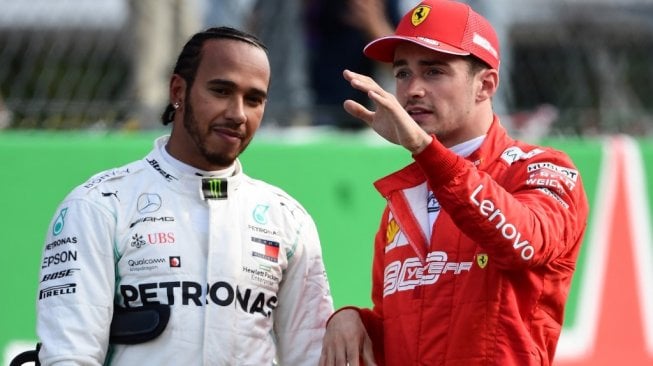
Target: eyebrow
point(403, 62)
point(230, 84)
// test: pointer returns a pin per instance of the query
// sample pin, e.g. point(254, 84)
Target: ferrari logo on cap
point(419, 14)
point(481, 260)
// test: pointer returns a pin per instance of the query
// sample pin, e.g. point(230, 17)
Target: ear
point(177, 90)
point(489, 82)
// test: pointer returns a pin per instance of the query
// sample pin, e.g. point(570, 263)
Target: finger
point(368, 352)
point(353, 357)
point(361, 82)
point(384, 100)
point(358, 110)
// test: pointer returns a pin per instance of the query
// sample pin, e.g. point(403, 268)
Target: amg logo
point(66, 289)
point(152, 219)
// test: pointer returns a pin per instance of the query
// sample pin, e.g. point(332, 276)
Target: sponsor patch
point(268, 250)
point(507, 229)
point(66, 289)
point(214, 188)
point(61, 257)
point(175, 261)
point(105, 176)
point(514, 153)
point(403, 276)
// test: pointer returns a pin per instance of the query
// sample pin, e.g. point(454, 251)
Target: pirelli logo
point(65, 289)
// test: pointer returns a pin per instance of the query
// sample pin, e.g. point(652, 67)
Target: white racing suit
point(238, 261)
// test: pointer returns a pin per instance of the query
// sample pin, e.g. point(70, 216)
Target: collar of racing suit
point(184, 178)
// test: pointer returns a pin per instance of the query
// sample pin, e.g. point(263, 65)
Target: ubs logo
point(149, 202)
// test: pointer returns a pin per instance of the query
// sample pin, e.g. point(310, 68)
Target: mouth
point(228, 133)
point(418, 113)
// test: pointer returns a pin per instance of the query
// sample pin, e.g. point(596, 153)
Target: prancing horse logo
point(419, 14)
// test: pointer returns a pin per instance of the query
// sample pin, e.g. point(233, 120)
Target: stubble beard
point(214, 158)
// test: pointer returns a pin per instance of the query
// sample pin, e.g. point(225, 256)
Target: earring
point(175, 105)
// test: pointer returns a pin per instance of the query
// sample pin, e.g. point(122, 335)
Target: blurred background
point(569, 67)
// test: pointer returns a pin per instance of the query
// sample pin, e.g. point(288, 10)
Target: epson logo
point(61, 257)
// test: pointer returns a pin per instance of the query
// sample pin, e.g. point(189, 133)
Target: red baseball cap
point(444, 26)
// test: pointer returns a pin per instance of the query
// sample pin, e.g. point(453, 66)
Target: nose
point(415, 88)
point(236, 110)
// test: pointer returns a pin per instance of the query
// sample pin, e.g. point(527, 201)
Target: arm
point(76, 288)
point(535, 215)
point(304, 299)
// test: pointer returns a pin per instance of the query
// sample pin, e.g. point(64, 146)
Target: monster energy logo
point(214, 188)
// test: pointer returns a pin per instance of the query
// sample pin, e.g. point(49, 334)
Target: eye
point(254, 100)
point(433, 72)
point(401, 74)
point(220, 91)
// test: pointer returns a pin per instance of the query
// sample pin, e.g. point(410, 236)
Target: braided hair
point(191, 55)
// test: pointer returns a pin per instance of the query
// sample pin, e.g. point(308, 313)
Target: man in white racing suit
point(237, 260)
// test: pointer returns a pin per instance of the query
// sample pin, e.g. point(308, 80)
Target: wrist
point(423, 143)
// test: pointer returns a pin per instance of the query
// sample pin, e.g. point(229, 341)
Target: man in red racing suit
point(478, 243)
point(491, 283)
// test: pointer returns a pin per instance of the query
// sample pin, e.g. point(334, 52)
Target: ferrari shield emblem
point(392, 231)
point(419, 14)
point(481, 260)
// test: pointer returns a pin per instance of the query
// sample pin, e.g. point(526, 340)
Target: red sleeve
point(534, 212)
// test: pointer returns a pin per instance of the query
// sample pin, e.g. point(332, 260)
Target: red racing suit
point(490, 284)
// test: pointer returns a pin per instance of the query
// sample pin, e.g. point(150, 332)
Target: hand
point(390, 120)
point(369, 16)
point(346, 341)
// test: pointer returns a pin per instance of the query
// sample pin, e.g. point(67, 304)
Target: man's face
point(438, 91)
point(224, 107)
